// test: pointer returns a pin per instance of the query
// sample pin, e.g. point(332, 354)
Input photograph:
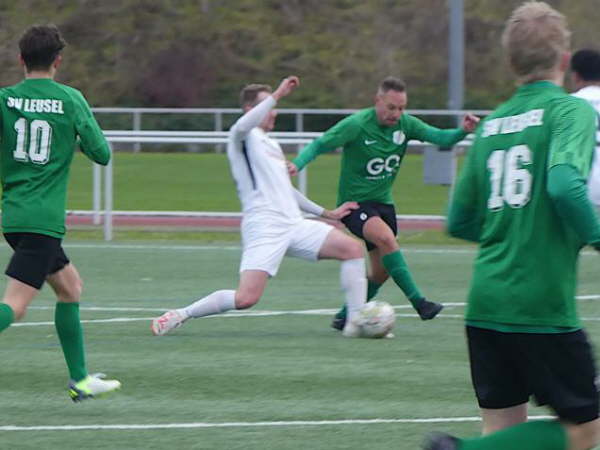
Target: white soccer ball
point(376, 319)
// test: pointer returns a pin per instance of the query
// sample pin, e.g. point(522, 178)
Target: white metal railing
point(191, 137)
point(299, 113)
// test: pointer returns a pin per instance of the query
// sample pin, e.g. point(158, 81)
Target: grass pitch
point(202, 182)
point(275, 377)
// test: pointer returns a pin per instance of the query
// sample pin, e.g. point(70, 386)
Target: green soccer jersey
point(372, 153)
point(525, 271)
point(40, 122)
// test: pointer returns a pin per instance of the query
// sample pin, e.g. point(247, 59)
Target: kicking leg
point(251, 287)
point(380, 234)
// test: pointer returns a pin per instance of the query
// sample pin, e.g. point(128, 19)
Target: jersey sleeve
point(567, 189)
point(574, 125)
point(464, 220)
point(91, 139)
point(252, 118)
point(337, 136)
point(419, 130)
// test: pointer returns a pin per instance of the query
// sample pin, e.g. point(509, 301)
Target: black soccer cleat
point(428, 310)
point(440, 441)
point(338, 323)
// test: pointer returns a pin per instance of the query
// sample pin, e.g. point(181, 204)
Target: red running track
point(226, 223)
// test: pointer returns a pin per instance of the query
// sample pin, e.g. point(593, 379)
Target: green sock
point(372, 289)
point(396, 266)
point(537, 434)
point(70, 333)
point(7, 316)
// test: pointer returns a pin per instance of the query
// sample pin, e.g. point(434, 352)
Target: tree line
point(198, 53)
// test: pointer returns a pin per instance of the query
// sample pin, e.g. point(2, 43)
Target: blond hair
point(535, 38)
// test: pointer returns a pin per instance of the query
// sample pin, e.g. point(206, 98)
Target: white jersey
point(592, 95)
point(258, 166)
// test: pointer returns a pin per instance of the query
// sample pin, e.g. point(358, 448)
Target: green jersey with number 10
point(40, 122)
point(525, 272)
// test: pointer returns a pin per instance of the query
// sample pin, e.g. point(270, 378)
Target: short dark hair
point(392, 84)
point(40, 45)
point(249, 93)
point(586, 63)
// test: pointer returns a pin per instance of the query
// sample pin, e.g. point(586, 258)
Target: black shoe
point(338, 323)
point(440, 441)
point(428, 310)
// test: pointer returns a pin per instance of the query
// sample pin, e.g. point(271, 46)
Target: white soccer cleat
point(351, 329)
point(167, 322)
point(92, 386)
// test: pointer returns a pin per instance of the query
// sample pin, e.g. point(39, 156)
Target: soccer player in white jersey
point(585, 68)
point(272, 224)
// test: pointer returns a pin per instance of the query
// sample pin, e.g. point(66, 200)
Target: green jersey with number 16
point(372, 153)
point(40, 122)
point(525, 271)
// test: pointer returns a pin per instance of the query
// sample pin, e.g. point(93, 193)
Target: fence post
point(219, 127)
point(108, 200)
point(137, 126)
point(302, 175)
point(96, 193)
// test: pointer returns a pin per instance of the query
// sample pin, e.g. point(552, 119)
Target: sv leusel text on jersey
point(513, 124)
point(33, 105)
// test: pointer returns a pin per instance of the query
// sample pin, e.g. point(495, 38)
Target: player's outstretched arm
point(255, 116)
point(310, 207)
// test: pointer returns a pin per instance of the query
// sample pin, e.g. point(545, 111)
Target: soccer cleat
point(338, 323)
point(440, 441)
point(428, 310)
point(339, 320)
point(92, 386)
point(167, 322)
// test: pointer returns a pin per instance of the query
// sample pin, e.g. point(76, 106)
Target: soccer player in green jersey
point(522, 196)
point(373, 142)
point(40, 123)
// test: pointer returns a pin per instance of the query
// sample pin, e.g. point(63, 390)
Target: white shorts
point(266, 244)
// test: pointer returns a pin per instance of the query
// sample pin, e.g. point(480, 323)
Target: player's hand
point(286, 86)
point(291, 168)
point(341, 211)
point(470, 122)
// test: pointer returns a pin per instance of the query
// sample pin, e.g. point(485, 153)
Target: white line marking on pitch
point(291, 423)
point(257, 312)
point(446, 250)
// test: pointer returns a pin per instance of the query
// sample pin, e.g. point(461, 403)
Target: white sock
point(215, 303)
point(353, 278)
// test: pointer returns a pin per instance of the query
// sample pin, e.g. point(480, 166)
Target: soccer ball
point(376, 319)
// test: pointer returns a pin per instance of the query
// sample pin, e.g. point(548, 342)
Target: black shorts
point(357, 218)
point(36, 256)
point(557, 369)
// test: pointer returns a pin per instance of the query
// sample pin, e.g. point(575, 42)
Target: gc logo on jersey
point(376, 166)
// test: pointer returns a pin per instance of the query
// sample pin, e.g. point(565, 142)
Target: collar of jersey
point(537, 86)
